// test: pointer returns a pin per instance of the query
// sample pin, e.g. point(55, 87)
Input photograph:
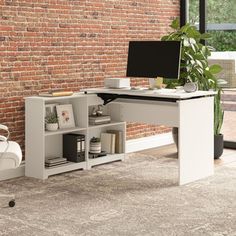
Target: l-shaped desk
point(192, 113)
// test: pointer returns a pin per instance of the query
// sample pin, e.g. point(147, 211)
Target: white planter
point(52, 126)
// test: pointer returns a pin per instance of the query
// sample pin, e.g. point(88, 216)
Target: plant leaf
point(175, 24)
point(215, 69)
point(164, 38)
point(205, 36)
point(192, 41)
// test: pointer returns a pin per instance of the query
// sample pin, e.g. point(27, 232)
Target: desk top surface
point(160, 93)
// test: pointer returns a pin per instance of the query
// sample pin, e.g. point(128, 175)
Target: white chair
point(10, 156)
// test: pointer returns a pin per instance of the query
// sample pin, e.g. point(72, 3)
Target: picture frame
point(65, 116)
point(50, 108)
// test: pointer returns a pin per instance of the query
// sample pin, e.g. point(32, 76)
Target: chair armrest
point(4, 127)
point(3, 138)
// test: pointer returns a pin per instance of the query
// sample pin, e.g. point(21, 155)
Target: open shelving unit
point(63, 131)
point(41, 143)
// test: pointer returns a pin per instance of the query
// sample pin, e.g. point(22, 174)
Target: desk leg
point(196, 139)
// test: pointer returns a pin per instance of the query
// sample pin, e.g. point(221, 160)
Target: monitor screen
point(154, 58)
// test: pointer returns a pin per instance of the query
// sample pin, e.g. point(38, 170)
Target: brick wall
point(71, 44)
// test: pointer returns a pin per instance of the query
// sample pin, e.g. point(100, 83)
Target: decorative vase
point(95, 147)
point(218, 145)
point(191, 87)
point(52, 126)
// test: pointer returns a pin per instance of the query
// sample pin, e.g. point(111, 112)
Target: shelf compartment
point(106, 159)
point(69, 166)
point(64, 131)
point(112, 123)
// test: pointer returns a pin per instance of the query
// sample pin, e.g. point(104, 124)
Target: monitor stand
point(156, 83)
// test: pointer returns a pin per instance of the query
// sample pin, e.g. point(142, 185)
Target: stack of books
point(108, 142)
point(56, 93)
point(118, 140)
point(112, 141)
point(97, 120)
point(54, 161)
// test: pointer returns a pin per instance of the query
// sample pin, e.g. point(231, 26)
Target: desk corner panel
point(196, 139)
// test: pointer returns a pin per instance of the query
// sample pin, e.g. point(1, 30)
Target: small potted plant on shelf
point(51, 121)
point(194, 69)
point(95, 145)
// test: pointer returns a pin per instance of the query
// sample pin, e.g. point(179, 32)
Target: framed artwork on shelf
point(65, 116)
point(50, 109)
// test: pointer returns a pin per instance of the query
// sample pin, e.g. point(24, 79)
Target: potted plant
point(194, 68)
point(51, 121)
point(218, 121)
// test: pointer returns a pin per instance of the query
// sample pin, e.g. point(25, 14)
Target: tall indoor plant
point(218, 121)
point(194, 68)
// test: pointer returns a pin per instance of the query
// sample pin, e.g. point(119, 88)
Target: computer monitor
point(152, 59)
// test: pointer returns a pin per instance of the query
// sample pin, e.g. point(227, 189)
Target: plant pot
point(95, 147)
point(52, 126)
point(191, 87)
point(218, 145)
point(175, 136)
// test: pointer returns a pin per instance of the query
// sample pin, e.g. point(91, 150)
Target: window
point(218, 18)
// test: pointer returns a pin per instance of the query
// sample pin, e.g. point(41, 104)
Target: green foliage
point(194, 65)
point(218, 113)
point(218, 11)
point(51, 118)
point(223, 40)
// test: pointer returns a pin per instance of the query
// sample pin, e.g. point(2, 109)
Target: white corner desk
point(192, 113)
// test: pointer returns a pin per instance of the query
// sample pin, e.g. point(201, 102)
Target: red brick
point(72, 44)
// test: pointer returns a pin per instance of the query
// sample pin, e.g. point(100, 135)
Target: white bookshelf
point(63, 131)
point(105, 159)
point(112, 123)
point(40, 143)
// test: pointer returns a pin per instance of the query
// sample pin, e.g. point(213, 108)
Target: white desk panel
point(192, 113)
point(151, 112)
point(161, 93)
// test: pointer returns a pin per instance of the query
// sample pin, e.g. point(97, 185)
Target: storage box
point(117, 83)
point(74, 147)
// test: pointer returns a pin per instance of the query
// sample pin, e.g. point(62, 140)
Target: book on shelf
point(96, 120)
point(56, 93)
point(108, 142)
point(118, 140)
point(54, 160)
point(55, 165)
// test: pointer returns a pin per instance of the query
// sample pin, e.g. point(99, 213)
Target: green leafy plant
point(223, 40)
point(51, 118)
point(194, 65)
point(218, 113)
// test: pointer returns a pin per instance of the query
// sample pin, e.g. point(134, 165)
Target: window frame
point(202, 29)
